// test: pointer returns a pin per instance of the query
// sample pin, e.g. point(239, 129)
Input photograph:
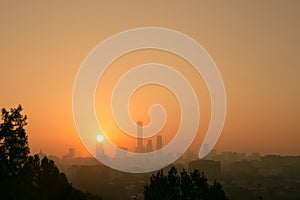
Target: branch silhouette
point(27, 177)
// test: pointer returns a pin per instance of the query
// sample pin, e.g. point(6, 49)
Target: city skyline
point(150, 100)
point(139, 148)
point(254, 44)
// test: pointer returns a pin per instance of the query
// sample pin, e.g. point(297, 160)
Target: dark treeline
point(182, 186)
point(27, 177)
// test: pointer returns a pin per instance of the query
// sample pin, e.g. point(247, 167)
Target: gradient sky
point(255, 44)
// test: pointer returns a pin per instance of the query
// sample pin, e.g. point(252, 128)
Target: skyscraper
point(159, 153)
point(71, 152)
point(149, 146)
point(100, 151)
point(140, 148)
point(158, 142)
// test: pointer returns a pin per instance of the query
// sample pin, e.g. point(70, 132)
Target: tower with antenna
point(140, 147)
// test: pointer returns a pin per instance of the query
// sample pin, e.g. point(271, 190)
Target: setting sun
point(100, 138)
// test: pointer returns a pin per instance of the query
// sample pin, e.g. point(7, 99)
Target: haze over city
point(254, 44)
point(150, 100)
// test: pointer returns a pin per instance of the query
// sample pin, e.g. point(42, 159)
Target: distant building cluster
point(140, 147)
point(242, 176)
point(70, 154)
point(149, 147)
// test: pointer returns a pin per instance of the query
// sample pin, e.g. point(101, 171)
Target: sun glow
point(100, 138)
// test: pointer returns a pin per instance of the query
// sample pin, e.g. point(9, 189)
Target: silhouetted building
point(190, 155)
point(41, 154)
point(149, 146)
point(243, 168)
point(233, 156)
point(70, 154)
point(159, 154)
point(140, 147)
point(99, 150)
point(211, 168)
point(254, 156)
point(158, 142)
point(211, 155)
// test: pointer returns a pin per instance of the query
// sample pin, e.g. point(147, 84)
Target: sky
point(255, 45)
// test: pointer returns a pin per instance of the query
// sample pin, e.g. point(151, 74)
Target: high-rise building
point(71, 152)
point(159, 153)
point(140, 147)
point(99, 150)
point(149, 146)
point(158, 142)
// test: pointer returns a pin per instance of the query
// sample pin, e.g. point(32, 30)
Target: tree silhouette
point(183, 186)
point(14, 147)
point(27, 177)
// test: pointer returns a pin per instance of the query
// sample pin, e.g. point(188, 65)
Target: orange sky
point(255, 45)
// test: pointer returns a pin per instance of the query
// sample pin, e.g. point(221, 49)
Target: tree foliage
point(27, 177)
point(14, 147)
point(183, 186)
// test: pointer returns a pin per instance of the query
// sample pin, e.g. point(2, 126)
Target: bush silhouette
point(183, 186)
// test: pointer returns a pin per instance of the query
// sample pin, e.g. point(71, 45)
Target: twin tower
point(140, 147)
